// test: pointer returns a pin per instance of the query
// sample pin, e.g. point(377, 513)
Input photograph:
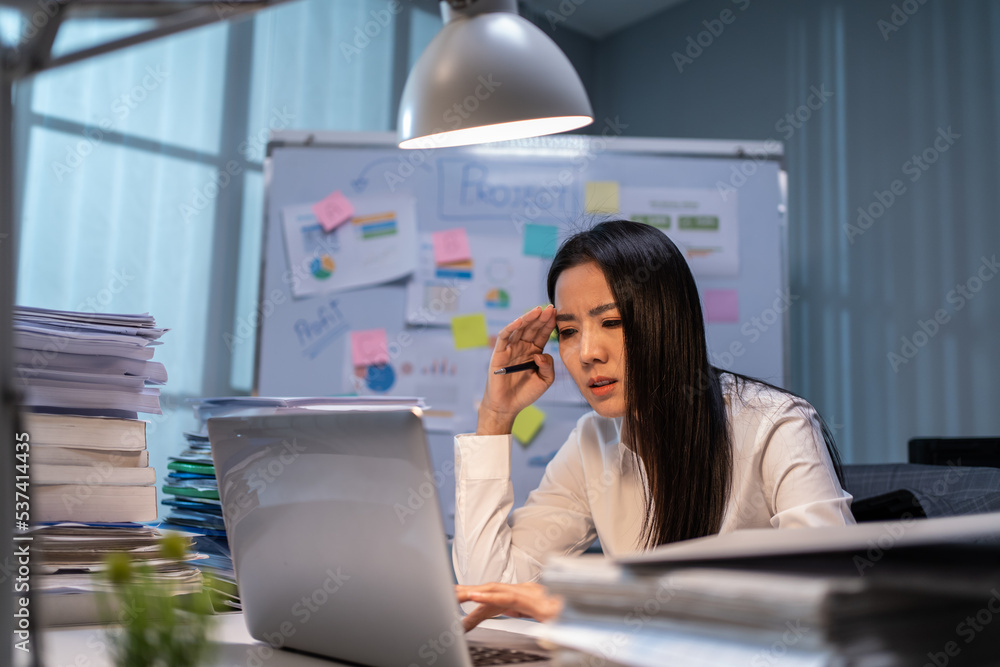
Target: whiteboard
point(303, 344)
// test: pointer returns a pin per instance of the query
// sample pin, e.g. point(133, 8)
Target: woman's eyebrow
point(601, 309)
point(593, 312)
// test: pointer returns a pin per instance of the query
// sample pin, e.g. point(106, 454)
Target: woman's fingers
point(546, 367)
point(539, 334)
point(528, 599)
point(535, 328)
point(527, 321)
point(480, 614)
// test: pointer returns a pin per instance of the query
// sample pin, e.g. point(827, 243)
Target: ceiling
point(600, 18)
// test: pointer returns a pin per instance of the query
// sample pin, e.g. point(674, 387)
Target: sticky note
point(601, 197)
point(527, 424)
point(722, 305)
point(451, 246)
point(469, 331)
point(333, 211)
point(369, 347)
point(540, 240)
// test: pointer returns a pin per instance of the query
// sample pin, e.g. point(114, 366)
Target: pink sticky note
point(450, 246)
point(333, 211)
point(369, 347)
point(722, 305)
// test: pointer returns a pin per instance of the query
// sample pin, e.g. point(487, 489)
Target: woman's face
point(590, 337)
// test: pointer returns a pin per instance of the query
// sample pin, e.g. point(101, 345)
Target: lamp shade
point(489, 75)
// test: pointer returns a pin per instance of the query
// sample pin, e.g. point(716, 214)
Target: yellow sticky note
point(469, 331)
point(527, 424)
point(601, 197)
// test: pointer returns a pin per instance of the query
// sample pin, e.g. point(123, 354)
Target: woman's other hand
point(529, 600)
point(506, 395)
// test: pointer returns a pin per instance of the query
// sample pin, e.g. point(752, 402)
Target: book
point(85, 432)
point(98, 473)
point(93, 503)
point(76, 456)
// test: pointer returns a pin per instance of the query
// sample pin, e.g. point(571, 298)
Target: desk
point(86, 646)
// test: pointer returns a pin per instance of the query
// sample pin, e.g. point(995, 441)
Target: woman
point(674, 448)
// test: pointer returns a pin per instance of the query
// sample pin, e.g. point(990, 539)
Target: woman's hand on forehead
point(534, 327)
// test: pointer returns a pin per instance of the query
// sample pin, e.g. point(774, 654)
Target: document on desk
point(377, 245)
point(885, 594)
point(755, 543)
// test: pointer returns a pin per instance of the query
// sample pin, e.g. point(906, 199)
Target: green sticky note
point(540, 240)
point(469, 331)
point(527, 424)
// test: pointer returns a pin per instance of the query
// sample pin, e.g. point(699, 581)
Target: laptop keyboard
point(484, 655)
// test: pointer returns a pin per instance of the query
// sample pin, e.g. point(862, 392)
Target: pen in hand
point(517, 368)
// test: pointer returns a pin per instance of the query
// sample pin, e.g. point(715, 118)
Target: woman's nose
point(592, 348)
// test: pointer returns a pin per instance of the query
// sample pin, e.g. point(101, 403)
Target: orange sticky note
point(333, 211)
point(369, 347)
point(451, 246)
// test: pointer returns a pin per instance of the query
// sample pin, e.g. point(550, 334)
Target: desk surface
point(86, 646)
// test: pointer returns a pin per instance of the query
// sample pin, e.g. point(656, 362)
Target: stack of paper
point(71, 557)
point(893, 593)
point(84, 363)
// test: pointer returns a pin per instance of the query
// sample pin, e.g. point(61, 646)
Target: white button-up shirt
point(782, 477)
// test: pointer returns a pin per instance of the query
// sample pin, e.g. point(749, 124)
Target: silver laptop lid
point(329, 556)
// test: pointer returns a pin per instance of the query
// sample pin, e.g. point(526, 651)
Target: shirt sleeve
point(494, 544)
point(800, 481)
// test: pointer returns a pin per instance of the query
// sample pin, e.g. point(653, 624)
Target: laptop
point(337, 541)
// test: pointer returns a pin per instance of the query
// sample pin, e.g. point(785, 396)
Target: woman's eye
point(564, 333)
point(611, 324)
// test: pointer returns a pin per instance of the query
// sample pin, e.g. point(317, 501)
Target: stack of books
point(84, 378)
point(90, 469)
point(191, 495)
point(890, 593)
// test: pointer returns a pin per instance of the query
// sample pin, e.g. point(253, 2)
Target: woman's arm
point(491, 546)
point(488, 545)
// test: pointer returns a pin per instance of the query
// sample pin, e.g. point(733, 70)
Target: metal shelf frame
point(42, 20)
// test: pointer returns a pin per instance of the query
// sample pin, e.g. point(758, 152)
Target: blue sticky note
point(541, 240)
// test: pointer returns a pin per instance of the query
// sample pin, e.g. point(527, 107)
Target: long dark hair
point(675, 424)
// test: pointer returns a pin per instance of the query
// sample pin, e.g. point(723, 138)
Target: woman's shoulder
point(750, 397)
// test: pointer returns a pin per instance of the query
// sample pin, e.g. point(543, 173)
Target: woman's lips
point(602, 386)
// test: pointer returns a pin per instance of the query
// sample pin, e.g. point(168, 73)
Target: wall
point(883, 341)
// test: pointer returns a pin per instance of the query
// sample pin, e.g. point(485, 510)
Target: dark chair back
point(969, 452)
